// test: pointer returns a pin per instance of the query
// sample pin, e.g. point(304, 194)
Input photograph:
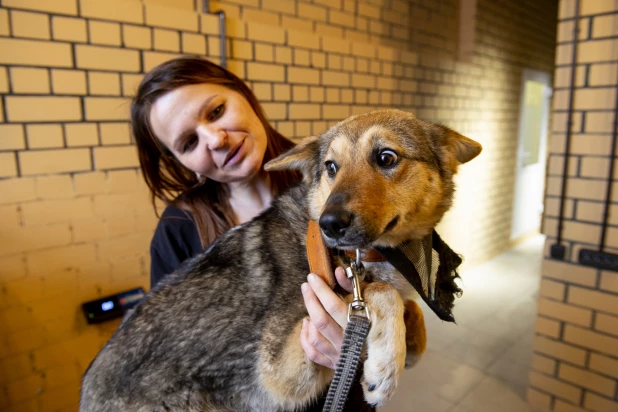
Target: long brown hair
point(167, 179)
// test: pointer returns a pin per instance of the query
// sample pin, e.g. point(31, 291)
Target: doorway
point(531, 154)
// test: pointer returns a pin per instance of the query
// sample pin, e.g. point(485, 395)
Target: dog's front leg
point(289, 378)
point(386, 343)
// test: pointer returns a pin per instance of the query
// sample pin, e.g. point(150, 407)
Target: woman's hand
point(321, 337)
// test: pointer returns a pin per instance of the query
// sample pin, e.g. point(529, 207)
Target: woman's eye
point(189, 144)
point(387, 158)
point(218, 111)
point(331, 168)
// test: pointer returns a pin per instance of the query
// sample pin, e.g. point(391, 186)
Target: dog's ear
point(303, 157)
point(454, 145)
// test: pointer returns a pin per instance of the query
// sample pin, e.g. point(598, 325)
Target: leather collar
point(320, 260)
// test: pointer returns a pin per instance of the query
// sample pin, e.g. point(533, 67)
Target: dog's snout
point(334, 222)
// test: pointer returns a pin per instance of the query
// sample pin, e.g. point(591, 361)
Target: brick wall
point(575, 360)
point(75, 221)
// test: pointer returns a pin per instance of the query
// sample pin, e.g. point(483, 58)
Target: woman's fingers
point(317, 348)
point(343, 280)
point(331, 305)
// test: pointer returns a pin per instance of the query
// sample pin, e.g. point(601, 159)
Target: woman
point(202, 140)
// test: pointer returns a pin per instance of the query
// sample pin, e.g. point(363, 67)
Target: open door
point(531, 154)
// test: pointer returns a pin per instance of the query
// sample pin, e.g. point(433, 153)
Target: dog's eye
point(386, 158)
point(331, 168)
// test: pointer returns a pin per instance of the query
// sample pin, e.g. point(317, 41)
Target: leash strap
point(353, 338)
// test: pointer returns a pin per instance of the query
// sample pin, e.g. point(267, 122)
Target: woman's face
point(211, 130)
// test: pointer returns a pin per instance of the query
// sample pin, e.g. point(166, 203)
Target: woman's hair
point(166, 177)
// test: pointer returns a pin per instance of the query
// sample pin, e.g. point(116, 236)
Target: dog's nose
point(334, 222)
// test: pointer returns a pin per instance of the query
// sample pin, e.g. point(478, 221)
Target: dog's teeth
point(371, 387)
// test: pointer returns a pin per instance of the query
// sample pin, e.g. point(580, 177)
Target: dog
point(222, 332)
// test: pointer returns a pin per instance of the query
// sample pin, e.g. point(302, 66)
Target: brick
point(593, 299)
point(559, 350)
point(316, 94)
point(303, 76)
point(282, 92)
point(104, 33)
point(54, 161)
point(122, 181)
point(17, 190)
point(89, 183)
point(56, 211)
point(106, 58)
point(333, 78)
point(193, 43)
point(171, 17)
point(104, 84)
point(56, 6)
point(538, 399)
point(332, 95)
point(555, 387)
point(285, 128)
point(336, 45)
point(304, 111)
point(599, 403)
point(210, 25)
point(4, 80)
point(115, 157)
point(264, 33)
point(605, 26)
point(54, 187)
point(542, 364)
point(35, 53)
point(115, 133)
point(263, 91)
point(242, 49)
point(69, 29)
point(592, 340)
point(41, 136)
point(81, 134)
point(301, 57)
point(283, 54)
point(43, 109)
point(547, 327)
point(106, 108)
point(136, 37)
point(551, 289)
point(153, 59)
point(594, 167)
point(264, 52)
point(597, 98)
point(68, 82)
point(114, 205)
point(603, 74)
point(562, 406)
point(569, 273)
point(312, 12)
point(8, 165)
point(566, 28)
point(295, 23)
point(586, 379)
point(12, 137)
point(166, 40)
point(597, 7)
point(341, 18)
point(603, 364)
point(364, 50)
point(606, 323)
point(275, 111)
point(266, 72)
point(363, 81)
point(4, 23)
point(335, 111)
point(260, 17)
point(303, 39)
point(123, 11)
point(30, 80)
point(130, 83)
point(30, 25)
point(282, 6)
point(23, 389)
point(609, 281)
point(300, 93)
point(595, 51)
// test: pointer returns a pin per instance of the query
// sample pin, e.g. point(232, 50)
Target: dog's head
point(379, 178)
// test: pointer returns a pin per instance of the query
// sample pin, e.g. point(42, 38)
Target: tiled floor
point(480, 364)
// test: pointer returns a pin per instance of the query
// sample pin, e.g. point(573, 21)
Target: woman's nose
point(213, 136)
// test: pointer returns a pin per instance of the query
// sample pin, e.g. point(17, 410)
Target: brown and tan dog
point(222, 333)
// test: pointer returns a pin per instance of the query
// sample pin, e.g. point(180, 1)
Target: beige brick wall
point(575, 361)
point(74, 213)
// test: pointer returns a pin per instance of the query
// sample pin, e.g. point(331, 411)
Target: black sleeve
point(175, 240)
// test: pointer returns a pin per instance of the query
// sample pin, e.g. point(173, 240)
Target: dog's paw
point(386, 345)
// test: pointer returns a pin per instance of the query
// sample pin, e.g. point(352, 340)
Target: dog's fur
point(222, 332)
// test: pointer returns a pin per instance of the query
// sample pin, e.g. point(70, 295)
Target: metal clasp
point(356, 272)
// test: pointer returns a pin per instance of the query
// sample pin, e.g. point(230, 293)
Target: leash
point(353, 339)
point(359, 321)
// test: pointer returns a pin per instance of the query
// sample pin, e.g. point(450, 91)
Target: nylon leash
point(353, 339)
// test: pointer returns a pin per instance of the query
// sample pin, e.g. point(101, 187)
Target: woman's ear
point(303, 157)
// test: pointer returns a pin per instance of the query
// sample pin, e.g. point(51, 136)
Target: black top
point(175, 240)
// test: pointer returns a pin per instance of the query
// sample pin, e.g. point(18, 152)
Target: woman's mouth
point(234, 154)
